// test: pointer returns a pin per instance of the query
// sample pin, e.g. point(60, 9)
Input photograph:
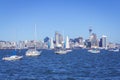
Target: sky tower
point(90, 31)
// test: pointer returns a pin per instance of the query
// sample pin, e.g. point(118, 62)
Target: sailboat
point(33, 52)
point(51, 44)
point(67, 46)
point(65, 49)
point(13, 57)
point(114, 50)
point(60, 51)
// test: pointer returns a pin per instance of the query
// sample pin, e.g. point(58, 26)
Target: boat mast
point(35, 36)
point(63, 40)
point(67, 43)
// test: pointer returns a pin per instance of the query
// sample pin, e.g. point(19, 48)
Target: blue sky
point(74, 17)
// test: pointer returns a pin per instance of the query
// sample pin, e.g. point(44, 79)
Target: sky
point(71, 17)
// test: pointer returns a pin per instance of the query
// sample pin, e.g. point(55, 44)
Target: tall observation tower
point(90, 31)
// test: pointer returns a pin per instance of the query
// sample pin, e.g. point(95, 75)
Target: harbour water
point(76, 65)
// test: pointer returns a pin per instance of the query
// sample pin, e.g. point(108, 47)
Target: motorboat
point(12, 58)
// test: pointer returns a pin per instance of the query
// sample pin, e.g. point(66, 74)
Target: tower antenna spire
point(90, 30)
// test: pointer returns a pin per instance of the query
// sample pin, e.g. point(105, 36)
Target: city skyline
point(73, 17)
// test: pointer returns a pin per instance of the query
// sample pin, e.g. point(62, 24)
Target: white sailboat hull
point(11, 58)
point(33, 53)
point(116, 50)
point(61, 52)
point(69, 50)
point(94, 51)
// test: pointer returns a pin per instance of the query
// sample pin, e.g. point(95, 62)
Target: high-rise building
point(111, 45)
point(87, 43)
point(104, 41)
point(100, 42)
point(90, 31)
point(94, 40)
point(58, 39)
point(81, 42)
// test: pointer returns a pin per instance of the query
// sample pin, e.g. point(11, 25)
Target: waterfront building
point(118, 45)
point(87, 43)
point(7, 45)
point(111, 45)
point(72, 43)
point(94, 41)
point(22, 45)
point(81, 42)
point(47, 42)
point(59, 40)
point(104, 41)
point(100, 43)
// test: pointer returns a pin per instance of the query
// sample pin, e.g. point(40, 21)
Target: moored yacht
point(12, 58)
point(60, 51)
point(114, 50)
point(94, 51)
point(68, 50)
point(33, 52)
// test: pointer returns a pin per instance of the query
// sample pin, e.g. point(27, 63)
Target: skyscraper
point(94, 40)
point(90, 31)
point(100, 42)
point(58, 39)
point(88, 43)
point(104, 41)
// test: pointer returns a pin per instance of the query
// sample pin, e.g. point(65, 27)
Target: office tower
point(58, 39)
point(94, 40)
point(104, 41)
point(100, 42)
point(81, 43)
point(87, 43)
point(90, 31)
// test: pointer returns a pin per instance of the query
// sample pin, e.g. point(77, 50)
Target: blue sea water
point(77, 65)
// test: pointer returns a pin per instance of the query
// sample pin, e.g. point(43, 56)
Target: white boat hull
point(60, 52)
point(94, 51)
point(33, 53)
point(69, 50)
point(12, 58)
point(116, 50)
